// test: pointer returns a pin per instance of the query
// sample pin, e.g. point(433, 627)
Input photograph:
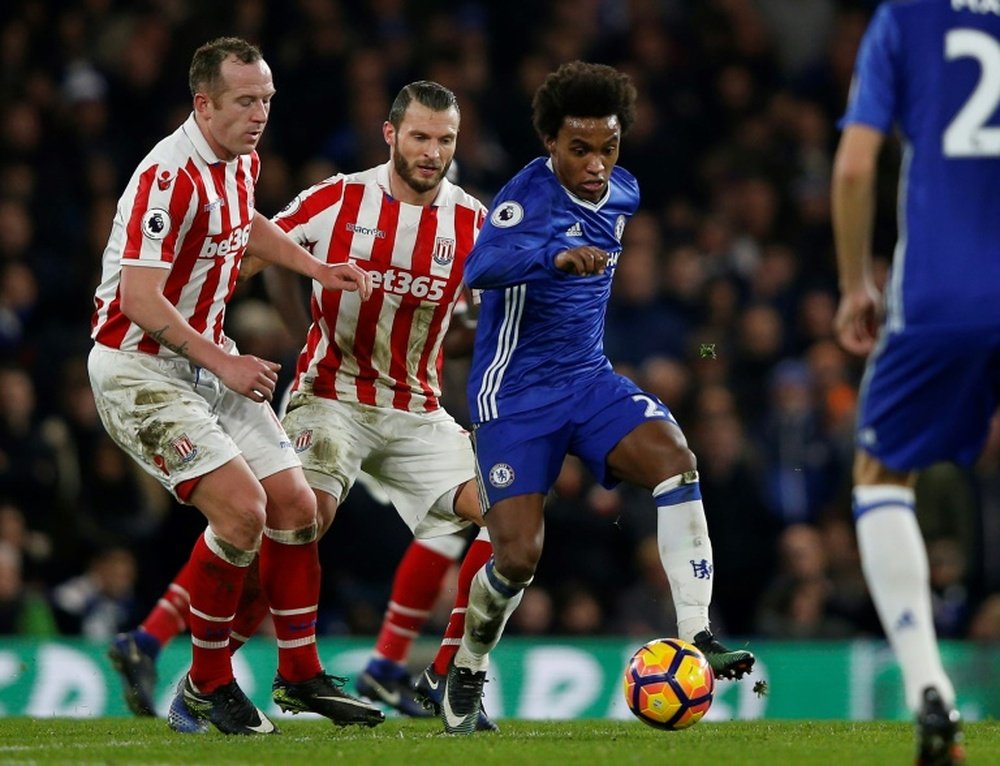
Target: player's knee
point(519, 562)
point(241, 523)
point(869, 470)
point(295, 509)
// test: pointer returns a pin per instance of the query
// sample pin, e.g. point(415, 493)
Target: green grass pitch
point(408, 742)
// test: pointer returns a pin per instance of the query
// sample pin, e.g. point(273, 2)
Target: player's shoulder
point(313, 201)
point(174, 149)
point(169, 159)
point(931, 12)
point(624, 180)
point(366, 177)
point(454, 195)
point(534, 183)
point(529, 196)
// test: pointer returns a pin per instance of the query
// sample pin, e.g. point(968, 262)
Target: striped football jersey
point(385, 351)
point(541, 331)
point(186, 211)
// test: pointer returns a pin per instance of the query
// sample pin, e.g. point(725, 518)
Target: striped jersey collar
point(193, 131)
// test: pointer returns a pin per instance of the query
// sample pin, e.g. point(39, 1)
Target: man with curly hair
point(541, 386)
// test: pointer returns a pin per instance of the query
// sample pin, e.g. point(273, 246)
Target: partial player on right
point(931, 70)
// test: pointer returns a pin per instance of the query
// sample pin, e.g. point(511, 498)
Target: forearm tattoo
point(158, 336)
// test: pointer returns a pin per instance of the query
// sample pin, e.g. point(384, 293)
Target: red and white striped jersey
point(385, 351)
point(184, 210)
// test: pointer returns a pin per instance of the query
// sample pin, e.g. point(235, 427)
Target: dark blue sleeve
point(872, 100)
point(516, 245)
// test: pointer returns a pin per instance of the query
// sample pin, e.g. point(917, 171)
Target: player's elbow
point(853, 171)
point(856, 161)
point(250, 266)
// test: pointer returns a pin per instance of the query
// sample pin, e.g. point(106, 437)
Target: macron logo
point(576, 230)
point(366, 231)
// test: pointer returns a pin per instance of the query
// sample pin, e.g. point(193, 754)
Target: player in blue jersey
point(931, 70)
point(541, 386)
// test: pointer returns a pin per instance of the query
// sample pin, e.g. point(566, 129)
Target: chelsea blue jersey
point(931, 68)
point(541, 330)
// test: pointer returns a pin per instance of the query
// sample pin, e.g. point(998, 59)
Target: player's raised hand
point(251, 376)
point(857, 319)
point(346, 276)
point(582, 261)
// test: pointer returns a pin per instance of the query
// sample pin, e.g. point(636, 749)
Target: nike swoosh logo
point(434, 683)
point(450, 719)
point(388, 696)
point(264, 727)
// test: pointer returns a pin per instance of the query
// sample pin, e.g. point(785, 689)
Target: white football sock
point(685, 550)
point(492, 600)
point(894, 560)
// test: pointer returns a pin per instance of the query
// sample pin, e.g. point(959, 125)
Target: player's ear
point(388, 132)
point(201, 102)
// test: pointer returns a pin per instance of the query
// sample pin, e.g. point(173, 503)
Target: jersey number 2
point(652, 408)
point(966, 135)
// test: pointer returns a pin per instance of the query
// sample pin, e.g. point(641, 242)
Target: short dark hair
point(205, 74)
point(579, 89)
point(433, 95)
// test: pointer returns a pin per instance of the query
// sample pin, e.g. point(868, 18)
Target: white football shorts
point(179, 422)
point(418, 458)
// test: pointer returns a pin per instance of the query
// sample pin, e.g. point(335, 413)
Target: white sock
point(685, 550)
point(492, 600)
point(894, 560)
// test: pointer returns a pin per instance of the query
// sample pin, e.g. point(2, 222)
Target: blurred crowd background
point(722, 303)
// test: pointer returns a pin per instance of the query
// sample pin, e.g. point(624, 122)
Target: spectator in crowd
point(800, 602)
point(644, 608)
point(24, 611)
point(100, 602)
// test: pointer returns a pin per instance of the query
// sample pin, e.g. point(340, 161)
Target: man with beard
point(366, 391)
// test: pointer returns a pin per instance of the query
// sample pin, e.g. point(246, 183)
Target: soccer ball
point(668, 684)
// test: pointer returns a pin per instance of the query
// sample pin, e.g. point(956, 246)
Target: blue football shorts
point(522, 453)
point(928, 395)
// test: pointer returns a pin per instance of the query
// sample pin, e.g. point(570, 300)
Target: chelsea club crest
point(619, 227)
point(501, 475)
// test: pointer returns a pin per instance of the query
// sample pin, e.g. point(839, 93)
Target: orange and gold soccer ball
point(668, 684)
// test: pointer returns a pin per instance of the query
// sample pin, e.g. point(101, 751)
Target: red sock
point(170, 615)
point(289, 575)
point(252, 608)
point(478, 554)
point(415, 587)
point(215, 591)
